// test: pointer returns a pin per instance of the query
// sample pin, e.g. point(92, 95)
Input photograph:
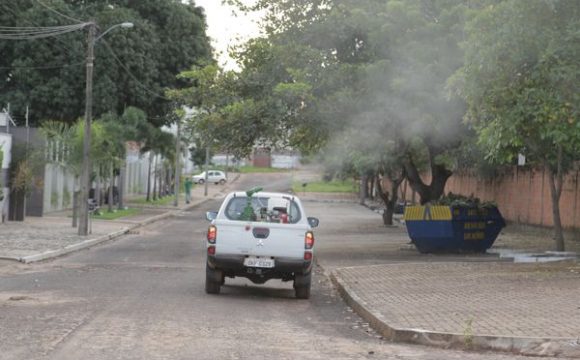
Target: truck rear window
point(263, 209)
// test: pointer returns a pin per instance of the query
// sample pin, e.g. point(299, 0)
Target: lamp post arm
point(123, 25)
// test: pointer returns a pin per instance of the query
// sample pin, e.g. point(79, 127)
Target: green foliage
point(66, 198)
point(367, 78)
point(197, 154)
point(217, 121)
point(168, 36)
point(163, 201)
point(457, 200)
point(26, 167)
point(521, 81)
point(116, 214)
point(54, 199)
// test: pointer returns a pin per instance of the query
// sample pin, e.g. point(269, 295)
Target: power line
point(41, 67)
point(63, 45)
point(58, 13)
point(143, 86)
point(28, 33)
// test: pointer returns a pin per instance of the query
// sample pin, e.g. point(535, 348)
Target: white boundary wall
point(59, 184)
point(6, 145)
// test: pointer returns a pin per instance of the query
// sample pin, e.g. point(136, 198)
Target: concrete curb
point(72, 248)
point(8, 258)
point(555, 347)
point(92, 242)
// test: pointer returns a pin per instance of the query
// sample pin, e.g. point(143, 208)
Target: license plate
point(258, 262)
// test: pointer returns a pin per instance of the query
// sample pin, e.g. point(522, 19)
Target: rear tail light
point(307, 255)
point(211, 250)
point(309, 240)
point(211, 234)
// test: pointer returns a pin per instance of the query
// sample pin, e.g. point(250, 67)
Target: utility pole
point(177, 163)
point(86, 167)
point(206, 170)
point(227, 163)
point(27, 158)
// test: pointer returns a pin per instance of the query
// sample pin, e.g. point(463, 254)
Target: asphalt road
point(142, 297)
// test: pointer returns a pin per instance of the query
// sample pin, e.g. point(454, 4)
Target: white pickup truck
point(260, 236)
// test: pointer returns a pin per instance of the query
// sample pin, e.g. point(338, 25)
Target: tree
point(343, 58)
point(208, 95)
point(110, 157)
point(131, 68)
point(521, 81)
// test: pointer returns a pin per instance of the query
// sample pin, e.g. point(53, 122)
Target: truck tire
point(211, 285)
point(222, 182)
point(201, 181)
point(302, 286)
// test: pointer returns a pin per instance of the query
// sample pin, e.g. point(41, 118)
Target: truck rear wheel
point(211, 285)
point(302, 286)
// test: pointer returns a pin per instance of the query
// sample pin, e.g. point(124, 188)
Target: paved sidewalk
point(466, 301)
point(41, 238)
point(522, 308)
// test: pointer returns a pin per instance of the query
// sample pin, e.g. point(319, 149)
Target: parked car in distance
point(213, 176)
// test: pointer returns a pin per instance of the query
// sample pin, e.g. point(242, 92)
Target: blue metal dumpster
point(453, 228)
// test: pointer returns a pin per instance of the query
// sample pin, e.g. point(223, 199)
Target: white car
point(260, 236)
point(213, 176)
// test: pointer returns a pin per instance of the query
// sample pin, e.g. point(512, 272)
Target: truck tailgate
point(260, 239)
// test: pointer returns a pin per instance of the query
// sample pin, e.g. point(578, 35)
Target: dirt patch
point(36, 299)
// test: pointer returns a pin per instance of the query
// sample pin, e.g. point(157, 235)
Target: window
point(263, 209)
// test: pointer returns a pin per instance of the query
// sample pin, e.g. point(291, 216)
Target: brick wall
point(262, 158)
point(523, 195)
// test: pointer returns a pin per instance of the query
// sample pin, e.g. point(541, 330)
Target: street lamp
point(125, 25)
point(86, 166)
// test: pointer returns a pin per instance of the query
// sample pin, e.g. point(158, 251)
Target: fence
point(59, 184)
point(522, 195)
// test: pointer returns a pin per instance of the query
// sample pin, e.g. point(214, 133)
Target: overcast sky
point(225, 29)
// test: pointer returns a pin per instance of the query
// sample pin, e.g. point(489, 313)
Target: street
point(142, 297)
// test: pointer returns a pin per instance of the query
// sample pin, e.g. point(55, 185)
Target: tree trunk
point(121, 186)
point(76, 198)
point(371, 188)
point(363, 189)
point(97, 192)
point(168, 180)
point(155, 179)
point(111, 187)
point(160, 183)
point(148, 198)
point(556, 181)
point(389, 200)
point(160, 192)
point(439, 177)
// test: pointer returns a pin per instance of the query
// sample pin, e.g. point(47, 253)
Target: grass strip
point(116, 214)
point(164, 201)
point(335, 186)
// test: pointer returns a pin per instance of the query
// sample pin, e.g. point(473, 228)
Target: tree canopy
point(521, 81)
point(325, 67)
point(132, 67)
